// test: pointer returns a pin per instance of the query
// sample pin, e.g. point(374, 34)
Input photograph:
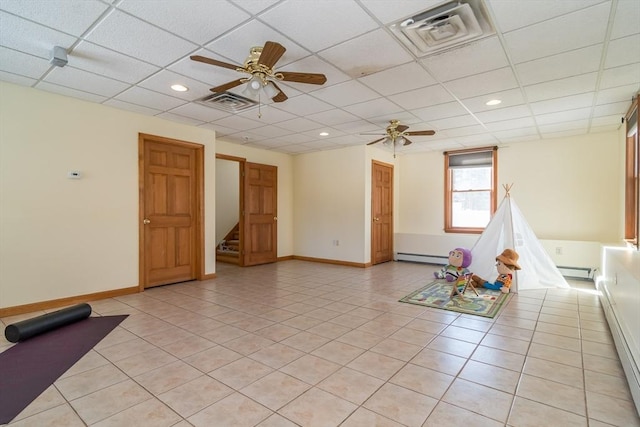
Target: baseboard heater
point(583, 273)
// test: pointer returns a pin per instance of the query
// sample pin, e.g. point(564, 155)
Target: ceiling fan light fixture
point(255, 83)
point(270, 90)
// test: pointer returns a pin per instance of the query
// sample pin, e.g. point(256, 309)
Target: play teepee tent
point(509, 229)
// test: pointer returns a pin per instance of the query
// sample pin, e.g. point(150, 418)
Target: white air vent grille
point(227, 101)
point(443, 27)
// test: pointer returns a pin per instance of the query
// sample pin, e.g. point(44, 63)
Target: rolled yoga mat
point(47, 322)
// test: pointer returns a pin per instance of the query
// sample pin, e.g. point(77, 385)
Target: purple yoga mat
point(28, 368)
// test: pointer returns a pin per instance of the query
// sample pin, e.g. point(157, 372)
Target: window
point(470, 189)
point(631, 184)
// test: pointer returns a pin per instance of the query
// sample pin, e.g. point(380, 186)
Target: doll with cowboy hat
point(507, 264)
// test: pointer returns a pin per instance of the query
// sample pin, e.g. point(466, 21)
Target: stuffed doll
point(507, 264)
point(459, 260)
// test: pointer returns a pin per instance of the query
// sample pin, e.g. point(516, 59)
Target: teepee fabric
point(509, 229)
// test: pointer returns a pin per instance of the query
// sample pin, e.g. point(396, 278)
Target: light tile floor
point(307, 344)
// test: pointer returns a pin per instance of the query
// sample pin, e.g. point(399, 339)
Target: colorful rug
point(437, 295)
point(30, 367)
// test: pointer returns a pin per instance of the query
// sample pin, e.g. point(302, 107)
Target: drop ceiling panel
point(403, 78)
point(255, 6)
point(148, 98)
point(85, 81)
point(558, 88)
point(347, 93)
point(423, 97)
point(623, 51)
point(96, 59)
point(341, 20)
point(484, 83)
point(391, 11)
point(28, 37)
point(626, 19)
point(66, 91)
point(559, 104)
point(136, 38)
point(559, 66)
point(16, 62)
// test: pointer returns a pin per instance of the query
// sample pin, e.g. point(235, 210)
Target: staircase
point(229, 249)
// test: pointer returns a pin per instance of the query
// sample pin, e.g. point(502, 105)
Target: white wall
point(567, 189)
point(63, 237)
point(284, 162)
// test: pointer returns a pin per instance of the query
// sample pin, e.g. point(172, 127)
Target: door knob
point(376, 219)
point(146, 221)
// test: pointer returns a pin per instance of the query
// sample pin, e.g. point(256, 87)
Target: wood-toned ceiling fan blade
point(420, 133)
point(310, 78)
point(377, 140)
point(214, 62)
point(402, 128)
point(281, 96)
point(407, 141)
point(271, 52)
point(227, 86)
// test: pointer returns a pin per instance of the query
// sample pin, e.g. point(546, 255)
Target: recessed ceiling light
point(493, 102)
point(324, 133)
point(179, 88)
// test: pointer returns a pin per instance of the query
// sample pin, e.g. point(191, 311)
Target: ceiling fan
point(259, 65)
point(397, 134)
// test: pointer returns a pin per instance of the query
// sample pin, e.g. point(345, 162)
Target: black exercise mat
point(28, 368)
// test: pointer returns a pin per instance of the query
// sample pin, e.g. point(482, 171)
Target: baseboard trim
point(62, 302)
point(332, 261)
point(285, 258)
point(208, 276)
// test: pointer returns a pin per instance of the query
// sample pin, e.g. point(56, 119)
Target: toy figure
point(459, 260)
point(507, 264)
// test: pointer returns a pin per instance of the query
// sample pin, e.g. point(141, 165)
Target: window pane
point(471, 179)
point(471, 208)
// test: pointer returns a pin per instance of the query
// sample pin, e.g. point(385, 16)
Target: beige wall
point(63, 237)
point(227, 197)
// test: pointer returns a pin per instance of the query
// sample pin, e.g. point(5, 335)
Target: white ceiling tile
point(626, 19)
point(16, 62)
point(255, 6)
point(558, 88)
point(564, 33)
point(559, 66)
point(404, 78)
point(75, 16)
point(484, 83)
point(138, 39)
point(236, 44)
point(441, 111)
point(616, 109)
point(85, 81)
point(511, 14)
point(507, 113)
point(116, 103)
point(304, 105)
point(357, 127)
point(617, 94)
point(16, 79)
point(347, 93)
point(206, 73)
point(477, 57)
point(560, 104)
point(484, 139)
point(270, 131)
point(564, 116)
point(199, 112)
point(459, 130)
point(180, 119)
point(454, 122)
point(373, 108)
point(523, 122)
point(193, 21)
point(269, 114)
point(239, 123)
point(341, 20)
point(509, 98)
point(148, 98)
point(28, 37)
point(423, 97)
point(332, 117)
point(390, 11)
point(519, 132)
point(619, 76)
point(299, 124)
point(62, 90)
point(313, 64)
point(96, 59)
point(613, 120)
point(623, 51)
point(162, 81)
point(361, 56)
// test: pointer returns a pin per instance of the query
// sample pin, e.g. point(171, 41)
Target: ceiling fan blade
point(227, 86)
point(214, 62)
point(407, 141)
point(420, 132)
point(402, 128)
point(311, 78)
point(280, 97)
point(377, 140)
point(271, 52)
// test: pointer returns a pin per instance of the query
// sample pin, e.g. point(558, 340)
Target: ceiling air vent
point(443, 27)
point(227, 101)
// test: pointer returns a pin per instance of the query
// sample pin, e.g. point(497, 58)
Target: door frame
point(198, 256)
point(241, 164)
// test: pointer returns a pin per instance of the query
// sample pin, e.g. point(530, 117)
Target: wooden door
point(170, 199)
point(381, 212)
point(260, 209)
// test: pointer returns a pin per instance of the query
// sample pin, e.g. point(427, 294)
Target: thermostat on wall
point(74, 174)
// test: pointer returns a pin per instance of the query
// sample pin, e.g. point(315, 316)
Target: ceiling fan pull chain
point(259, 105)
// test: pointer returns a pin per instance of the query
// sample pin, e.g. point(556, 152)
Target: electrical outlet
point(558, 250)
